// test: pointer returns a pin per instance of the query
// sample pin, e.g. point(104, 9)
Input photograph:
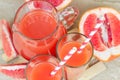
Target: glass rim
point(57, 53)
point(57, 60)
point(25, 4)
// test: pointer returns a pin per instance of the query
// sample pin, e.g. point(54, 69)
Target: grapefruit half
point(106, 40)
point(59, 4)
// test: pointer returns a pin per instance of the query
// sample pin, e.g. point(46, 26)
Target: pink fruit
point(59, 4)
point(55, 2)
point(6, 34)
point(16, 71)
point(1, 47)
point(106, 40)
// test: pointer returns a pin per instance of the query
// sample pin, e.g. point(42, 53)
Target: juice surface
point(42, 71)
point(37, 24)
point(77, 59)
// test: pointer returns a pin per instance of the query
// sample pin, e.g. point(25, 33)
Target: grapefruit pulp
point(59, 4)
point(16, 71)
point(106, 41)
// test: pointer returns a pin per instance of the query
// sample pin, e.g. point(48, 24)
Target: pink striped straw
point(74, 49)
point(89, 37)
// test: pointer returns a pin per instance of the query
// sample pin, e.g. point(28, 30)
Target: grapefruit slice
point(16, 71)
point(59, 4)
point(6, 34)
point(106, 41)
point(1, 47)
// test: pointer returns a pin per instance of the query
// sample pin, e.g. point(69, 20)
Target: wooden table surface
point(9, 7)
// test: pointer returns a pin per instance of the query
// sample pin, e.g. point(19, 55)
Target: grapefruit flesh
point(106, 40)
point(58, 4)
point(16, 71)
point(89, 25)
point(107, 36)
point(55, 2)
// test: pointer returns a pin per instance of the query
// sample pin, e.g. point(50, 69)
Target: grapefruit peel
point(109, 53)
point(16, 71)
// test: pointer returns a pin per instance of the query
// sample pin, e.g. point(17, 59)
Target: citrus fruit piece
point(16, 71)
point(59, 4)
point(106, 40)
point(1, 47)
point(6, 34)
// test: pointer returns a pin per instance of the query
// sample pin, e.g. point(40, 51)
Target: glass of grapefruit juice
point(36, 29)
point(40, 67)
point(77, 64)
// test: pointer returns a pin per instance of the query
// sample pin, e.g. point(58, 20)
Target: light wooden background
point(9, 7)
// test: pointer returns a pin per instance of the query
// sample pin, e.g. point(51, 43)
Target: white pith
point(15, 67)
point(103, 55)
point(104, 34)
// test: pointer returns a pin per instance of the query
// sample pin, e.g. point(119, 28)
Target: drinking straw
point(89, 37)
point(74, 49)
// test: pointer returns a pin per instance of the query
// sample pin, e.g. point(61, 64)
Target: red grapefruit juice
point(38, 33)
point(77, 64)
point(42, 71)
point(41, 66)
point(77, 59)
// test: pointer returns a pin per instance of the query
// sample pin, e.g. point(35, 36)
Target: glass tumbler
point(77, 64)
point(40, 67)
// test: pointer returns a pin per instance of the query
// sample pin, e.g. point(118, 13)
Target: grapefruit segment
point(114, 25)
point(6, 34)
point(106, 41)
point(89, 25)
point(16, 71)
